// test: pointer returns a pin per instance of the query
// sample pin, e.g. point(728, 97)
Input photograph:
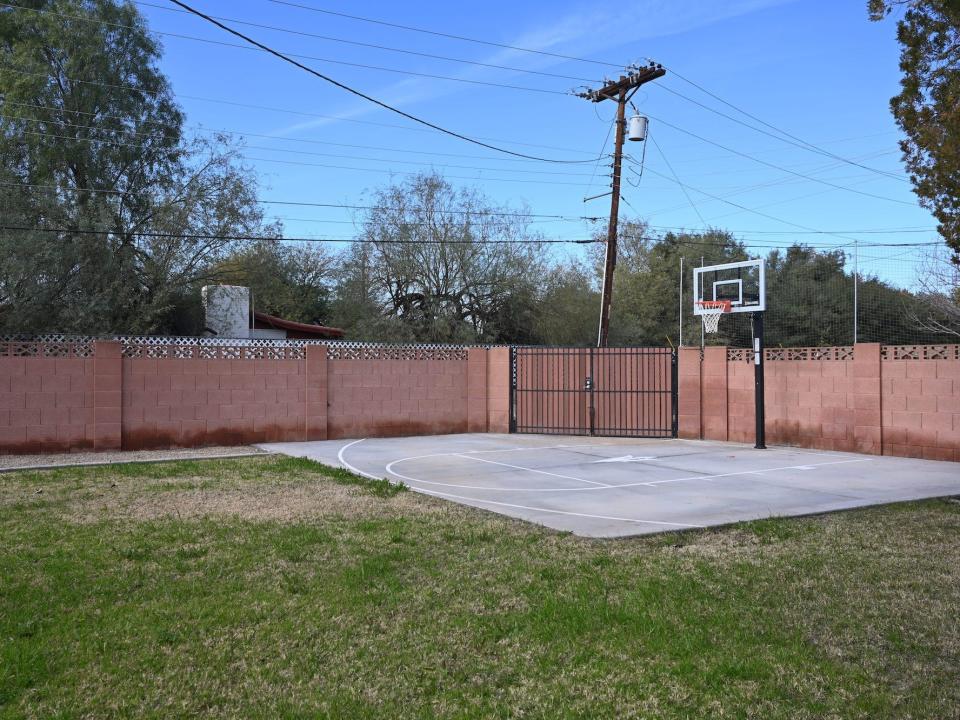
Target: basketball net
point(711, 310)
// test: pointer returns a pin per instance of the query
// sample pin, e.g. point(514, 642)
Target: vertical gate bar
point(555, 379)
point(592, 409)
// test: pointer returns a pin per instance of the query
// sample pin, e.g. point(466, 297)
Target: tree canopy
point(94, 161)
point(443, 264)
point(928, 105)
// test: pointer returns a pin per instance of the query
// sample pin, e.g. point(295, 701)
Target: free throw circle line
point(557, 512)
point(533, 470)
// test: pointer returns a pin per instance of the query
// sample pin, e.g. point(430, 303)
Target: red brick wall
point(867, 400)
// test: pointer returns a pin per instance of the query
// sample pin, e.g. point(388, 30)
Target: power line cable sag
point(116, 143)
point(803, 143)
point(302, 113)
point(799, 144)
point(451, 36)
point(367, 241)
point(357, 43)
point(781, 168)
point(363, 95)
point(208, 41)
point(267, 238)
point(326, 78)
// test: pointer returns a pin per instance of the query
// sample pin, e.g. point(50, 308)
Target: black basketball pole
point(757, 323)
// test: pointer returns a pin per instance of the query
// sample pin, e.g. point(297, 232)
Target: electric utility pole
point(620, 90)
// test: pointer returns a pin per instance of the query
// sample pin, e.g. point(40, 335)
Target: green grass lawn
point(276, 588)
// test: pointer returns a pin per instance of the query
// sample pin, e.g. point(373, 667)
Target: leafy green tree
point(928, 106)
point(646, 295)
point(94, 160)
point(568, 308)
point(291, 281)
point(444, 264)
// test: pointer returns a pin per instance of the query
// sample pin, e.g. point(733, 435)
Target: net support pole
point(758, 397)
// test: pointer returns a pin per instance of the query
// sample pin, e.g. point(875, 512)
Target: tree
point(291, 281)
point(928, 106)
point(443, 265)
point(568, 308)
point(646, 292)
point(94, 160)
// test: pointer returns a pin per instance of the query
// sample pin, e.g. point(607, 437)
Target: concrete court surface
point(612, 487)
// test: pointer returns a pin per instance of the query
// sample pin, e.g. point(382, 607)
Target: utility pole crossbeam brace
point(620, 90)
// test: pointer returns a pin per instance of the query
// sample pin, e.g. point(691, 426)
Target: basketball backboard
point(741, 283)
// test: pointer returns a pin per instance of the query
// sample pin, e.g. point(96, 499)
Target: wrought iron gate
point(617, 392)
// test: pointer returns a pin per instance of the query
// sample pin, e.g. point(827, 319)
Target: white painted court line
point(348, 466)
point(744, 472)
point(390, 468)
point(558, 512)
point(533, 470)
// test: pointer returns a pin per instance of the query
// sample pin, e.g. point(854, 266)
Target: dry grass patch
point(276, 588)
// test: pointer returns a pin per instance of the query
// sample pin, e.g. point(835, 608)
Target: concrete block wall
point(920, 406)
point(385, 397)
point(185, 402)
point(46, 404)
point(93, 397)
point(868, 399)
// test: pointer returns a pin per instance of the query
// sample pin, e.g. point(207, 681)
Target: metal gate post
point(674, 394)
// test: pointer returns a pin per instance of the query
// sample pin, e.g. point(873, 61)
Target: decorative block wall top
point(806, 353)
point(213, 348)
point(375, 351)
point(920, 352)
point(47, 346)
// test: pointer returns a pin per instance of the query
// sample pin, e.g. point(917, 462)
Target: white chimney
point(227, 310)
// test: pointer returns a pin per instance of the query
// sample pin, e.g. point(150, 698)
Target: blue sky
point(817, 69)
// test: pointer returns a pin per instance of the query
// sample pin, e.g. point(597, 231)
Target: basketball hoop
point(711, 310)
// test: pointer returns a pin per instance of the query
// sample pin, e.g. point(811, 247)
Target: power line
point(444, 241)
point(675, 177)
point(442, 34)
point(546, 216)
point(757, 186)
point(783, 134)
point(263, 238)
point(811, 146)
point(298, 203)
point(311, 141)
point(405, 51)
point(289, 59)
point(242, 134)
point(803, 145)
point(362, 169)
point(369, 98)
point(741, 207)
point(293, 55)
point(110, 141)
point(781, 168)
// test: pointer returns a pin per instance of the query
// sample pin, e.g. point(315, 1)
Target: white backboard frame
point(709, 292)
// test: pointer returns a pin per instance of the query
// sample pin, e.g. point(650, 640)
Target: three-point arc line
point(416, 481)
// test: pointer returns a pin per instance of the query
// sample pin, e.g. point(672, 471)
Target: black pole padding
point(761, 435)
